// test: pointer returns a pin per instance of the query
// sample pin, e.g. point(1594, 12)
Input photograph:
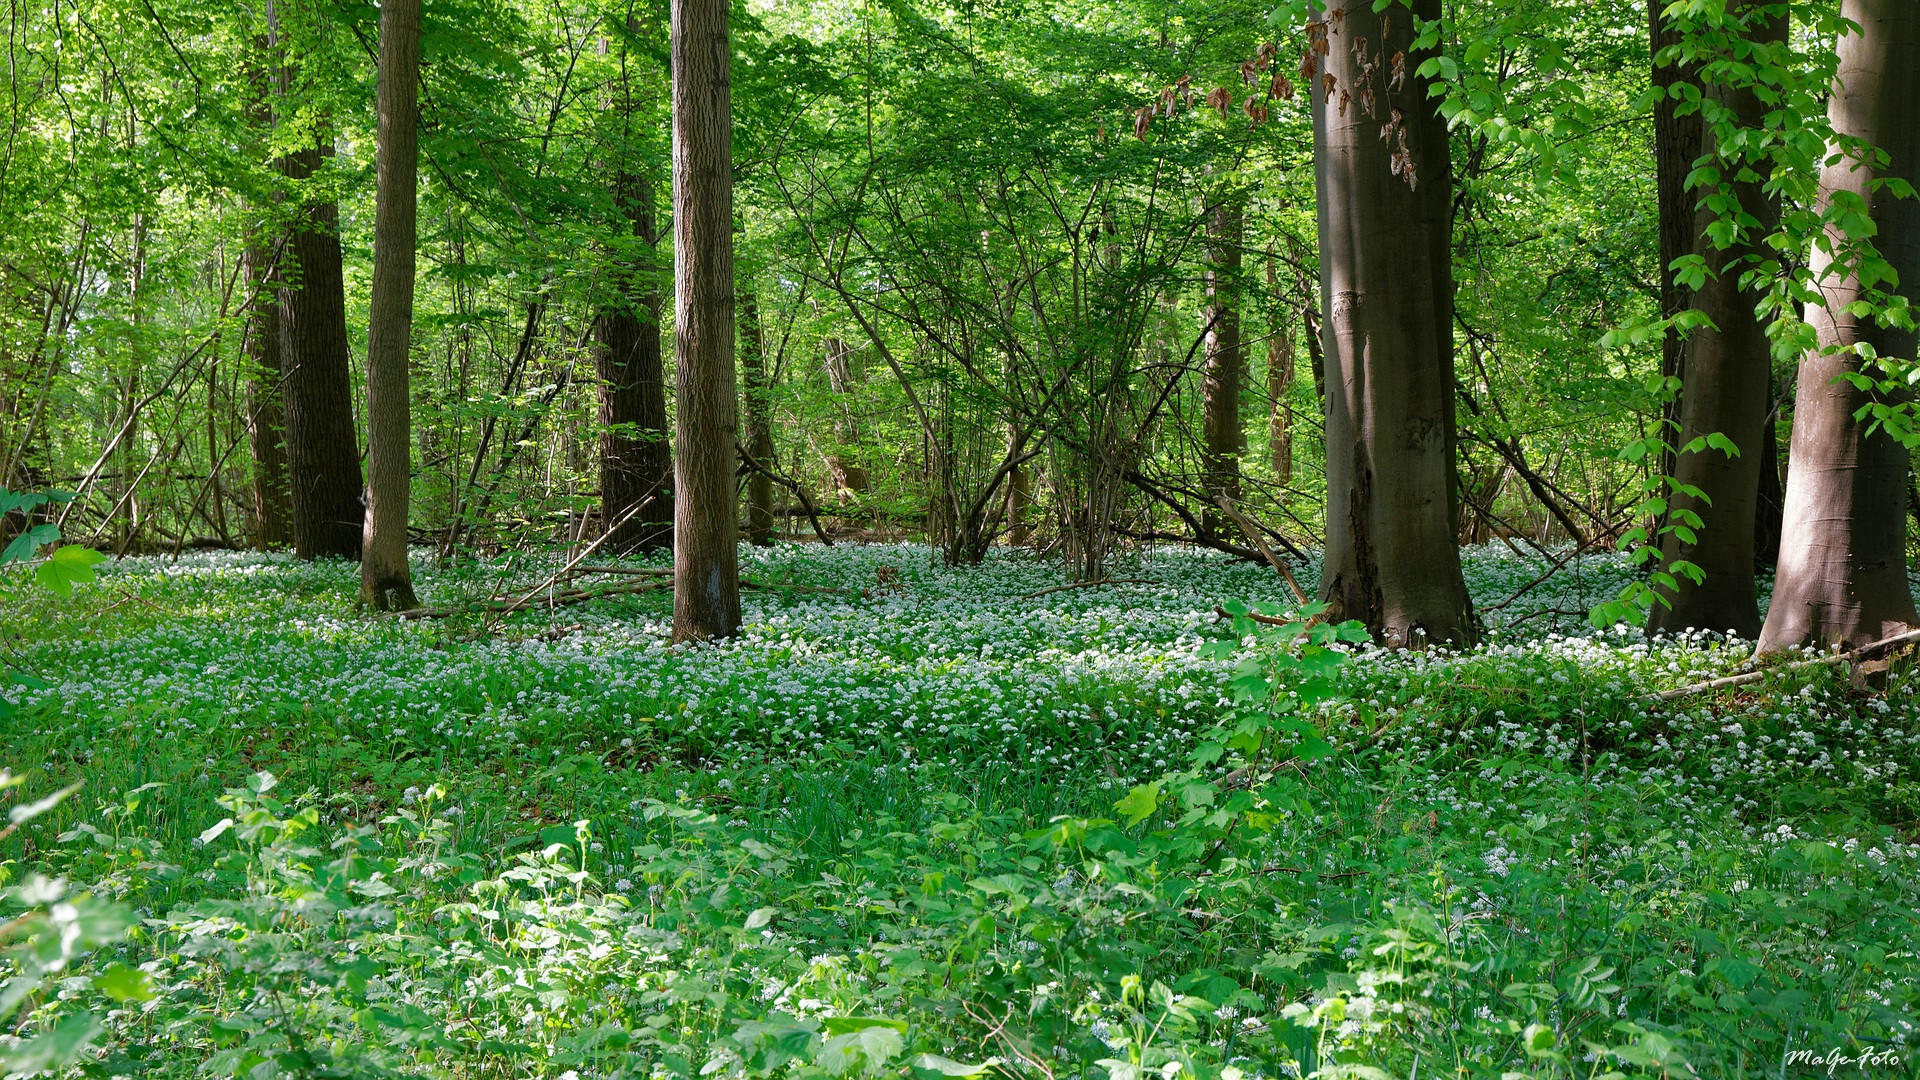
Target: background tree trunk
point(1842, 578)
point(636, 458)
point(706, 571)
point(386, 581)
point(1386, 283)
point(266, 423)
point(323, 460)
point(1728, 389)
point(1222, 438)
point(759, 420)
point(847, 476)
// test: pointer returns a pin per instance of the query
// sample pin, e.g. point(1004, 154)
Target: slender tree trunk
point(759, 420)
point(1677, 144)
point(1386, 284)
point(1842, 578)
point(636, 458)
point(1728, 390)
point(848, 477)
point(1224, 373)
point(266, 425)
point(1019, 493)
point(1279, 388)
point(706, 570)
point(386, 581)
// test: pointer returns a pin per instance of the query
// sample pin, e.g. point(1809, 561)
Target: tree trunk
point(1842, 578)
point(636, 459)
point(266, 424)
point(706, 570)
point(1279, 387)
point(1225, 363)
point(759, 421)
point(386, 581)
point(848, 478)
point(323, 461)
point(1677, 142)
point(1387, 301)
point(1728, 389)
point(1770, 515)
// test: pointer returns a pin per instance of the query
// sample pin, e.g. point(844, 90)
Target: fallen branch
point(1864, 652)
point(748, 463)
point(1252, 533)
point(1088, 585)
point(637, 571)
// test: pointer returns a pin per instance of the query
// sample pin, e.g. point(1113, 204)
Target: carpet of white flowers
point(876, 833)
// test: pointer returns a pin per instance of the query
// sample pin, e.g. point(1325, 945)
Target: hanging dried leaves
point(1142, 122)
point(1256, 112)
point(1221, 99)
point(1279, 87)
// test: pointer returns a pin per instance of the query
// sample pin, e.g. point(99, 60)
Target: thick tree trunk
point(1677, 142)
point(386, 581)
point(266, 423)
point(323, 460)
point(1842, 578)
point(706, 570)
point(1387, 298)
point(636, 458)
point(759, 420)
point(1728, 390)
point(1222, 438)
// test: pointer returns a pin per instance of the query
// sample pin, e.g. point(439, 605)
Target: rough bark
point(1225, 363)
point(759, 420)
point(1727, 390)
point(266, 422)
point(1842, 578)
point(1677, 141)
point(1387, 299)
point(323, 460)
point(1771, 514)
point(386, 581)
point(706, 594)
point(636, 459)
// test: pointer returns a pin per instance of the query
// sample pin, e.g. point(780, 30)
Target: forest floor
point(886, 830)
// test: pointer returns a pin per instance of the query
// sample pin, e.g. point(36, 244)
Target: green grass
point(882, 824)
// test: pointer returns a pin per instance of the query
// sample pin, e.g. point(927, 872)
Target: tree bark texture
point(266, 421)
point(323, 459)
point(758, 435)
point(706, 570)
point(1842, 577)
point(1387, 303)
point(1677, 142)
point(1728, 390)
point(386, 581)
point(636, 456)
point(1224, 372)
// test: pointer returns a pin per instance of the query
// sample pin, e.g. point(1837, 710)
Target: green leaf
point(66, 567)
point(124, 984)
point(1140, 803)
point(24, 545)
point(54, 1050)
point(26, 812)
point(949, 1067)
point(760, 918)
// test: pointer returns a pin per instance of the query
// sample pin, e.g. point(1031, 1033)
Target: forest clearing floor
point(878, 833)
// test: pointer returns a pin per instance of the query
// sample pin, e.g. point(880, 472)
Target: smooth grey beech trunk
point(1225, 365)
point(1387, 333)
point(1842, 576)
point(386, 581)
point(706, 569)
point(1728, 389)
point(636, 459)
point(759, 420)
